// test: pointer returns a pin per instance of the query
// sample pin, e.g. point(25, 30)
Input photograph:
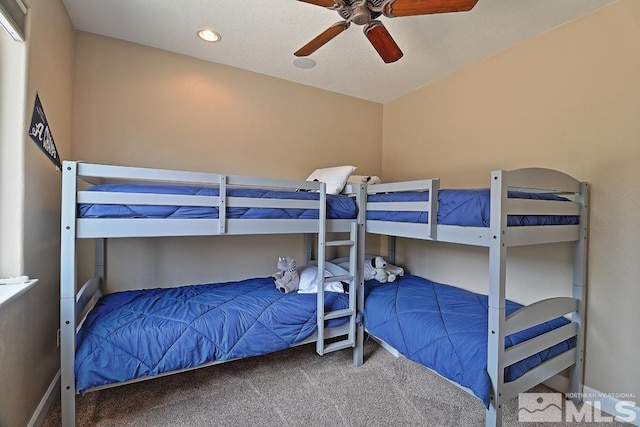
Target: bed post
point(322, 240)
point(576, 371)
point(68, 294)
point(497, 284)
point(358, 350)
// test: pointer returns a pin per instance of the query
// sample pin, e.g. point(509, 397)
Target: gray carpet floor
point(295, 387)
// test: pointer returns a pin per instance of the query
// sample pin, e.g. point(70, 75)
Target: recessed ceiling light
point(208, 35)
point(305, 63)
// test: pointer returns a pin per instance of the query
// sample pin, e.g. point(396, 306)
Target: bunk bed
point(113, 339)
point(485, 344)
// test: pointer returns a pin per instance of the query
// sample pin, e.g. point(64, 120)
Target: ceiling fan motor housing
point(361, 15)
point(358, 11)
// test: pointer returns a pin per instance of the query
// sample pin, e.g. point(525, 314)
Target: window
point(13, 18)
point(12, 140)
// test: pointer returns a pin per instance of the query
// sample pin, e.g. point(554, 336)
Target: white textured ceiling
point(261, 36)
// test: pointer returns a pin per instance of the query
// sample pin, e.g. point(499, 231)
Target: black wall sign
point(41, 134)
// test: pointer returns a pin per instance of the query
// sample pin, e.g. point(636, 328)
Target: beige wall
point(568, 99)
point(29, 323)
point(139, 106)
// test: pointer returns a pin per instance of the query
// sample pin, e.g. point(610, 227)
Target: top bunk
point(106, 201)
point(524, 207)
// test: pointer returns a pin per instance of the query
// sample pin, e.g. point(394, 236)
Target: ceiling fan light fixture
point(209, 35)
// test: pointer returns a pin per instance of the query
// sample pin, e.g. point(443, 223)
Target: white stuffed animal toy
point(382, 275)
point(287, 279)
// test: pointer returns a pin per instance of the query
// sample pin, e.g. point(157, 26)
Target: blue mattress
point(465, 208)
point(139, 333)
point(445, 329)
point(338, 206)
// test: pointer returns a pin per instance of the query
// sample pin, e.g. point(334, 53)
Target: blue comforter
point(139, 333)
point(469, 207)
point(445, 329)
point(338, 206)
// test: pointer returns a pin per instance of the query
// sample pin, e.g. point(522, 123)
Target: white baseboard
point(43, 408)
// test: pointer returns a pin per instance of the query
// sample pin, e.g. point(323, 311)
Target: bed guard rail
point(430, 206)
point(95, 174)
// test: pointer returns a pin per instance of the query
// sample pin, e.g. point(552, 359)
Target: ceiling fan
point(365, 12)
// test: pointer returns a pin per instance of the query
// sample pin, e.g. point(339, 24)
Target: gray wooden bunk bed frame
point(76, 300)
point(498, 237)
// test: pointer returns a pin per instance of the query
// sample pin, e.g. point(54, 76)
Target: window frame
point(13, 83)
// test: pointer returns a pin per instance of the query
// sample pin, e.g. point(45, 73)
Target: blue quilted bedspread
point(445, 329)
point(137, 333)
point(338, 206)
point(469, 207)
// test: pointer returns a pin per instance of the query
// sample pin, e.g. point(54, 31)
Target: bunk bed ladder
point(321, 346)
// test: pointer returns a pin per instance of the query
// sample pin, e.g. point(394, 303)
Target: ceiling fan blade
point(426, 7)
point(323, 3)
point(382, 42)
point(321, 39)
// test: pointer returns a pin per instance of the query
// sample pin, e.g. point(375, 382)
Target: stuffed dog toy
point(382, 275)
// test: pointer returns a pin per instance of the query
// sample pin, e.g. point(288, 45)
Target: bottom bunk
point(143, 333)
point(445, 328)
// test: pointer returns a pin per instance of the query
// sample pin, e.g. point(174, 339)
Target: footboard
point(526, 317)
point(573, 205)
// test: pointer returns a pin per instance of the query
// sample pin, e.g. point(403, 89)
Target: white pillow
point(309, 279)
point(334, 177)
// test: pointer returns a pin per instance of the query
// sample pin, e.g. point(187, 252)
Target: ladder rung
point(346, 278)
point(340, 243)
point(338, 345)
point(338, 313)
